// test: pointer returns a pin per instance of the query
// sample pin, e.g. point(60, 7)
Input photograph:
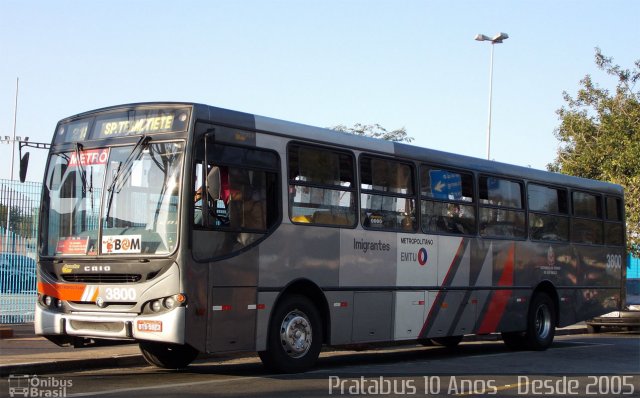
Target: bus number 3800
point(120, 294)
point(614, 261)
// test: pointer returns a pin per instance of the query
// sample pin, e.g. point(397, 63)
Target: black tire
point(298, 318)
point(168, 356)
point(541, 323)
point(514, 340)
point(593, 329)
point(449, 341)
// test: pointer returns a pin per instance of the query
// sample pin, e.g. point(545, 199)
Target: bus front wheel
point(168, 356)
point(295, 336)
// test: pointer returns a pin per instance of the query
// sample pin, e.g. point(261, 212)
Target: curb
point(566, 332)
point(71, 365)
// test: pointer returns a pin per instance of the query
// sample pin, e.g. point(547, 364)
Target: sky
point(412, 64)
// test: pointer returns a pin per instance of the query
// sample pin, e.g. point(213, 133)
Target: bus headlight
point(155, 305)
point(50, 302)
point(165, 303)
point(169, 303)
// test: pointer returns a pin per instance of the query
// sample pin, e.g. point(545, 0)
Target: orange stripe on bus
point(62, 291)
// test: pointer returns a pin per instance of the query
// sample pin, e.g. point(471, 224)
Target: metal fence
point(19, 207)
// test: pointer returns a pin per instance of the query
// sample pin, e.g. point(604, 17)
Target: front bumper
point(166, 327)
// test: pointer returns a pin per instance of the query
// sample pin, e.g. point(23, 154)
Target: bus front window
point(140, 210)
point(72, 196)
point(134, 190)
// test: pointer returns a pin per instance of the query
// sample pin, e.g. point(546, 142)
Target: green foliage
point(375, 131)
point(19, 223)
point(599, 136)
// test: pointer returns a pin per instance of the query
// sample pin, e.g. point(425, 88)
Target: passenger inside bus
point(237, 200)
point(218, 195)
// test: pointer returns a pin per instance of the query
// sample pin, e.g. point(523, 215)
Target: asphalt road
point(606, 365)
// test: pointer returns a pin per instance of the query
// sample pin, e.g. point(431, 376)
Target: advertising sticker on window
point(72, 245)
point(121, 244)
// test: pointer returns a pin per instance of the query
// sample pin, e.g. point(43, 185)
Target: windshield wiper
point(83, 175)
point(91, 186)
point(137, 149)
point(140, 145)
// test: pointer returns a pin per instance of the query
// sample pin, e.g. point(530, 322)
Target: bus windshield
point(109, 201)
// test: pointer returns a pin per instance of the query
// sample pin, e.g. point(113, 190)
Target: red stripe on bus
point(499, 298)
point(432, 311)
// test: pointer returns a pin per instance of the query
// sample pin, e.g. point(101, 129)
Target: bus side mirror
point(24, 164)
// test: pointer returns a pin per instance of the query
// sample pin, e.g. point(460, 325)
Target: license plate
point(149, 326)
point(614, 314)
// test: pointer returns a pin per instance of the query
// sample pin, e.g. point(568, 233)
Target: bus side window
point(586, 223)
point(387, 197)
point(613, 226)
point(548, 213)
point(501, 211)
point(447, 202)
point(321, 186)
point(240, 190)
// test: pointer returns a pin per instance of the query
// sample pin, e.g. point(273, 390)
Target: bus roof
point(327, 136)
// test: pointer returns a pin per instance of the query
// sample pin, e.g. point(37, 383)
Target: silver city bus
point(188, 228)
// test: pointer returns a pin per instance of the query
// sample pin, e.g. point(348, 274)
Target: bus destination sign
point(154, 124)
point(140, 122)
point(123, 124)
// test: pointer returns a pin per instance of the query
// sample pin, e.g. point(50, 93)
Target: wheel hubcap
point(296, 334)
point(543, 322)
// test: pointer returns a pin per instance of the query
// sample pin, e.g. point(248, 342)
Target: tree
point(599, 136)
point(375, 131)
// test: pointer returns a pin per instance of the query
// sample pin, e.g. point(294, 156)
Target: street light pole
point(498, 38)
point(15, 120)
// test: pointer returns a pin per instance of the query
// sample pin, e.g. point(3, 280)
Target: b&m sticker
point(149, 326)
point(121, 244)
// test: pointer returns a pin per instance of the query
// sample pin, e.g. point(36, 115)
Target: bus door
point(235, 194)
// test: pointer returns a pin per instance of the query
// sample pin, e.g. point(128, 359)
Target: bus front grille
point(111, 327)
point(102, 278)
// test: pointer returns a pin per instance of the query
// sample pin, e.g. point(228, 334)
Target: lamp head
point(499, 38)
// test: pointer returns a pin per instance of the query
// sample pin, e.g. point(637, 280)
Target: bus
point(191, 229)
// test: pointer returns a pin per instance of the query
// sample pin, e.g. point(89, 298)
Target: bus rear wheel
point(541, 323)
point(295, 336)
point(541, 326)
point(168, 356)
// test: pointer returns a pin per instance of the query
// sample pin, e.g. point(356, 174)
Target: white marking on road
point(581, 344)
